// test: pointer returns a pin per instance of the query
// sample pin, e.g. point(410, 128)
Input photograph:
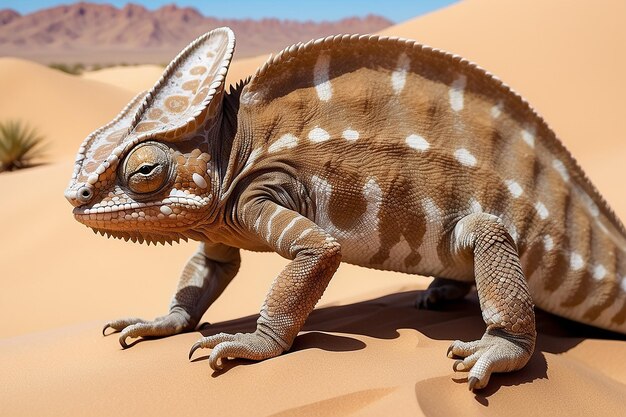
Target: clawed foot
point(497, 351)
point(255, 346)
point(168, 325)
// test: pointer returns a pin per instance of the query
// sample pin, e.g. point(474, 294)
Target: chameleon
point(375, 151)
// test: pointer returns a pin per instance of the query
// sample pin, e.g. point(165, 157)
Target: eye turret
point(147, 168)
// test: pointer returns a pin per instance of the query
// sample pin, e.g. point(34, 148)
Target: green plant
point(20, 145)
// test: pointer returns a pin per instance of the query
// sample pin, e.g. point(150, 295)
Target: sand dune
point(361, 354)
point(134, 78)
point(63, 107)
point(373, 358)
point(143, 77)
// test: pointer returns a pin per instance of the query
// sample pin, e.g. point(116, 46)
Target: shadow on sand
point(383, 317)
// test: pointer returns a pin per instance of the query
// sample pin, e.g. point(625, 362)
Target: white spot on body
point(514, 188)
point(623, 284)
point(286, 141)
point(496, 111)
point(548, 243)
point(591, 205)
point(456, 93)
point(465, 157)
point(318, 135)
point(350, 135)
point(528, 136)
point(576, 261)
point(542, 210)
point(430, 262)
point(599, 272)
point(417, 142)
point(560, 168)
point(199, 180)
point(165, 210)
point(398, 77)
point(321, 78)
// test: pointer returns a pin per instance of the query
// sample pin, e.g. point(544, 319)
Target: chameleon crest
point(375, 151)
point(153, 155)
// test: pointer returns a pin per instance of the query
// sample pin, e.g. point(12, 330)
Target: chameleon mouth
point(175, 199)
point(121, 220)
point(102, 209)
point(129, 222)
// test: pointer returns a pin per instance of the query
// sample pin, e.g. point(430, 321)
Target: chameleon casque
point(376, 151)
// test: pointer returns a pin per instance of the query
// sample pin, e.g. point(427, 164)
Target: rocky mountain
point(135, 34)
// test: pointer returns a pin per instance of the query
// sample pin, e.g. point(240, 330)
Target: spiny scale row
point(147, 238)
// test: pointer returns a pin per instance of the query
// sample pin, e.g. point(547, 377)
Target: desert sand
point(365, 350)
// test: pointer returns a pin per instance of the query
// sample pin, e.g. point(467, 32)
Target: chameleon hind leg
point(505, 301)
point(442, 291)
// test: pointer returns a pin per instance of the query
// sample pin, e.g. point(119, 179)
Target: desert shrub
point(20, 145)
point(74, 69)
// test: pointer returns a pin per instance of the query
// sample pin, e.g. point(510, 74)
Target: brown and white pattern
point(376, 151)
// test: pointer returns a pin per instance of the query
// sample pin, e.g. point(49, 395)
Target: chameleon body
point(375, 151)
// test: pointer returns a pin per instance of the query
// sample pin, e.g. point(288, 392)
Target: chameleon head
point(148, 174)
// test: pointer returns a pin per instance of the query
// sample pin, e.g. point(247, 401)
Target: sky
point(395, 10)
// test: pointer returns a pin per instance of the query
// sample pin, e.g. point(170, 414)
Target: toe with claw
point(173, 323)
point(472, 381)
point(255, 346)
point(496, 351)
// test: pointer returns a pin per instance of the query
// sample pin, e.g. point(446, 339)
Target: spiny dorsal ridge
point(462, 65)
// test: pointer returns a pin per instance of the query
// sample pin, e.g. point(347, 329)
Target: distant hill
point(97, 33)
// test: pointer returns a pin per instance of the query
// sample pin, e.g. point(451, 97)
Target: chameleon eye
point(147, 168)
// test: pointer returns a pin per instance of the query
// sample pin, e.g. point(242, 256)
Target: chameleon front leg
point(204, 278)
point(315, 257)
point(505, 301)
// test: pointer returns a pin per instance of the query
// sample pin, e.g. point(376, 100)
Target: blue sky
point(396, 10)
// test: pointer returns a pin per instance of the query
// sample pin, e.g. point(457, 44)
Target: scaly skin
point(373, 151)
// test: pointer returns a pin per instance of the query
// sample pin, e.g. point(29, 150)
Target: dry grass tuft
point(20, 145)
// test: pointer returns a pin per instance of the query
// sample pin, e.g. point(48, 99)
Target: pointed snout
point(79, 194)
